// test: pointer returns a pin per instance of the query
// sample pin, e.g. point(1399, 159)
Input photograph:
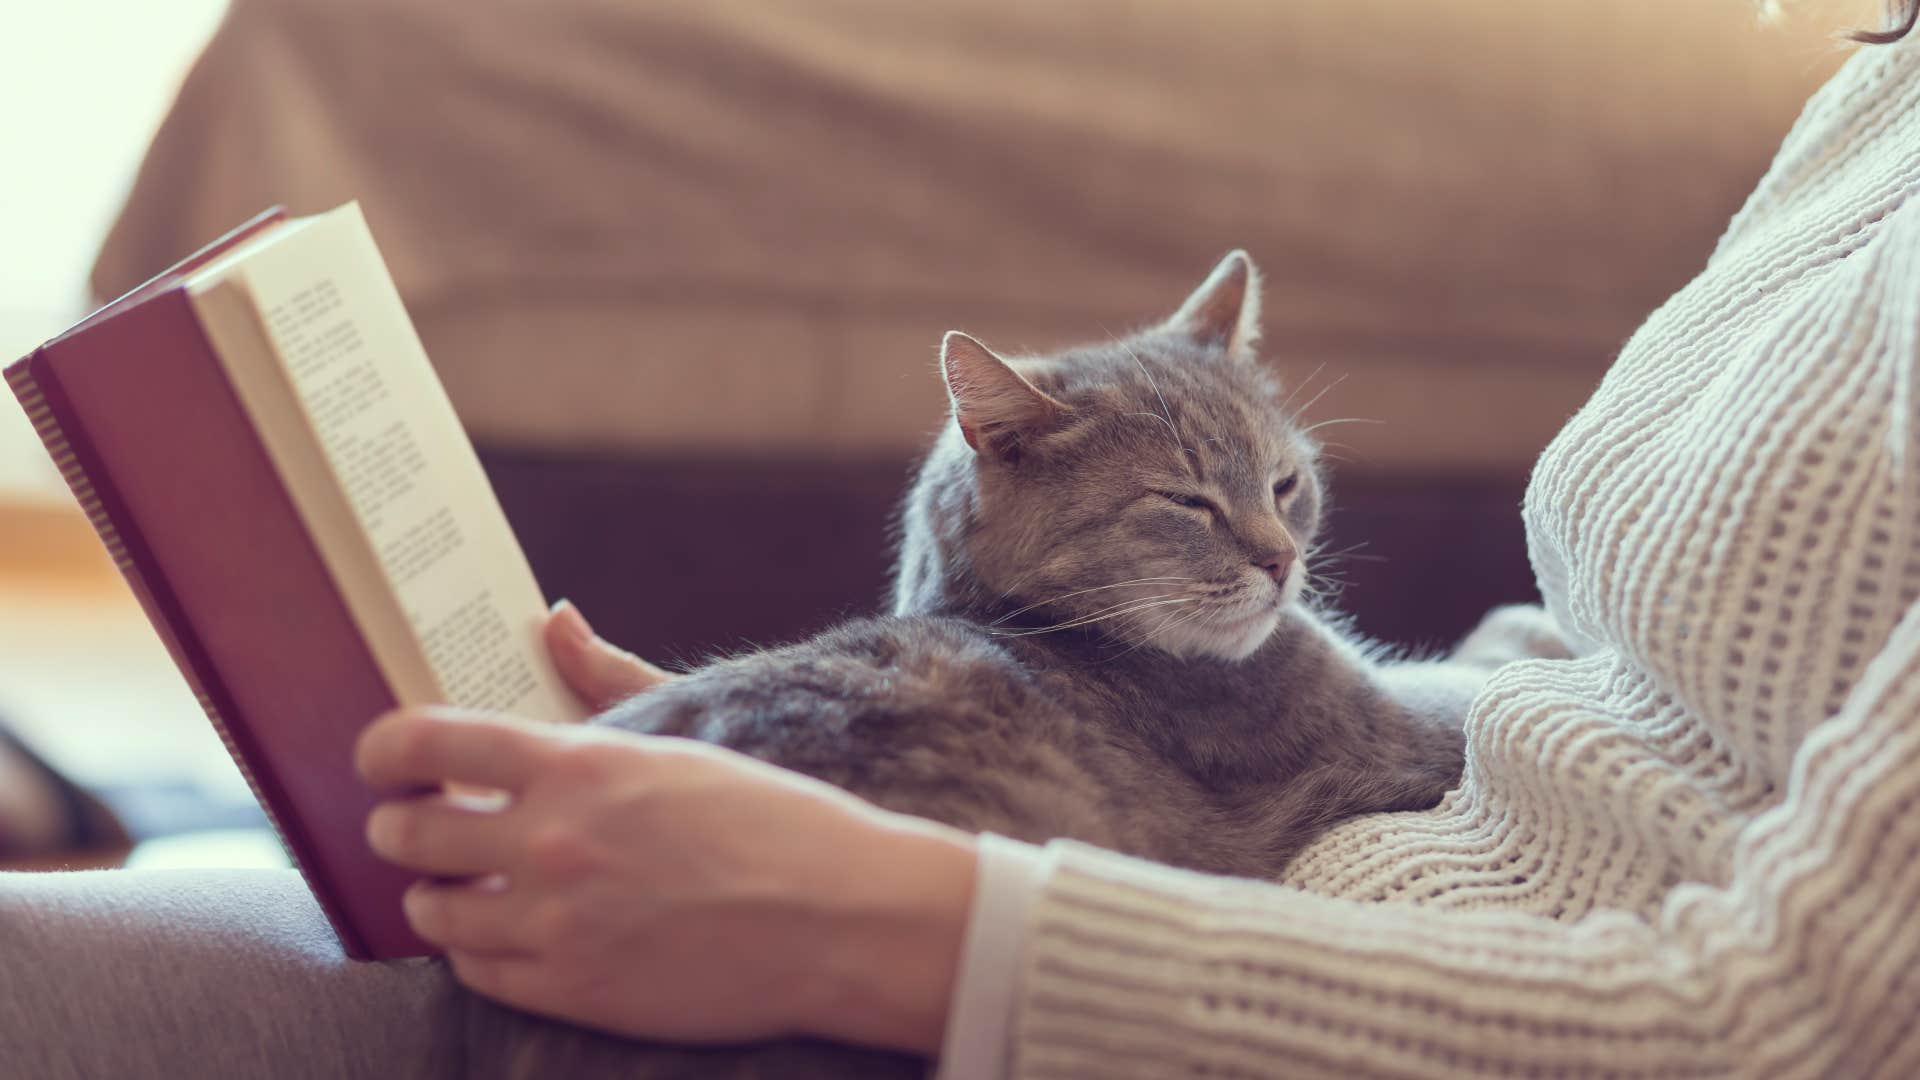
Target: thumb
point(598, 673)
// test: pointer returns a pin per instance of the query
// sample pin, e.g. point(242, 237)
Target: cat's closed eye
point(1191, 502)
point(1285, 487)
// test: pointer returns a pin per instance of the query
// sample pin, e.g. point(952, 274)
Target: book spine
point(47, 424)
point(40, 414)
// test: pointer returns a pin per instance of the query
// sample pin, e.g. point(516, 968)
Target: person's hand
point(661, 887)
point(600, 674)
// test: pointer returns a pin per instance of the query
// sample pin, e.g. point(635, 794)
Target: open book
point(263, 446)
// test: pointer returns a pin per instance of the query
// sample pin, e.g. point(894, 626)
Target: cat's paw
point(1513, 632)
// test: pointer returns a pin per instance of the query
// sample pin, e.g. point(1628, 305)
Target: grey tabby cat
point(1098, 632)
point(1098, 628)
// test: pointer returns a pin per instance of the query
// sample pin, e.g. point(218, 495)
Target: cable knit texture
point(1693, 851)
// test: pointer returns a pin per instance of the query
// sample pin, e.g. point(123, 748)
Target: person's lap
point(178, 973)
point(195, 973)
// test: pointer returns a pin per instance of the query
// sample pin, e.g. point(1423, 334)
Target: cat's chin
point(1230, 638)
point(1233, 635)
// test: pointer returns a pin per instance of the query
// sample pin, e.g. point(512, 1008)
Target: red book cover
point(133, 405)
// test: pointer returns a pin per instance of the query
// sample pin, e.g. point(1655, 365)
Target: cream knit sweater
point(1694, 851)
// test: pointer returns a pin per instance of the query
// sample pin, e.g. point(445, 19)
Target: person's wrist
point(890, 960)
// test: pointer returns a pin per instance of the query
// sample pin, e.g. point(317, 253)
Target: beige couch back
point(740, 226)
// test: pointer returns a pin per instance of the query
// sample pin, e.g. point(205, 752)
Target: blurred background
point(683, 267)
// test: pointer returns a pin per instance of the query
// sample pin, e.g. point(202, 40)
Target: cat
point(1102, 630)
point(1100, 627)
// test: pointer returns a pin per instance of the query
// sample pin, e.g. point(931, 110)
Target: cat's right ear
point(997, 409)
point(1224, 312)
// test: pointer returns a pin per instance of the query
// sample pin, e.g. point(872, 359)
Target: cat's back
point(928, 715)
point(866, 674)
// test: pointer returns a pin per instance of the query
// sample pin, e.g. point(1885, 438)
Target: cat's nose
point(1275, 564)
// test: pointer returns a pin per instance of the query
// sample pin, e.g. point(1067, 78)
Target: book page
point(400, 458)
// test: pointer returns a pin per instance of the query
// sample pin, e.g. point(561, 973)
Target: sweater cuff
point(1007, 881)
point(1132, 969)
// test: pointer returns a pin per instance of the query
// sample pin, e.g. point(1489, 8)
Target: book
point(261, 443)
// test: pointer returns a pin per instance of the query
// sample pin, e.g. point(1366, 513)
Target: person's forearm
point(891, 943)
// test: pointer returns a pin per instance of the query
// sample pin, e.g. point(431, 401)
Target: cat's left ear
point(1224, 312)
point(997, 409)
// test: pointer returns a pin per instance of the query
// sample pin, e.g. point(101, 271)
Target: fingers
point(597, 672)
point(447, 835)
point(428, 746)
point(502, 977)
point(483, 916)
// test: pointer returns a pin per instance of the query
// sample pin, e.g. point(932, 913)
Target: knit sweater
point(1694, 850)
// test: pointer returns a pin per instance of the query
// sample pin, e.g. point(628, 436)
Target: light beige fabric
point(1691, 852)
point(742, 225)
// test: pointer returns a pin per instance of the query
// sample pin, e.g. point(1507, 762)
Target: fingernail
point(574, 622)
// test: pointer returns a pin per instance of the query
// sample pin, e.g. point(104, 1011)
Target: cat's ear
point(997, 409)
point(1224, 312)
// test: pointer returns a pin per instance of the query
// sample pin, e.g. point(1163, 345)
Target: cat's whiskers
point(1116, 611)
point(1166, 414)
point(1169, 622)
point(1325, 581)
point(1094, 588)
point(1174, 620)
point(1323, 586)
point(1319, 553)
point(1315, 399)
point(1302, 385)
point(1112, 611)
point(1311, 428)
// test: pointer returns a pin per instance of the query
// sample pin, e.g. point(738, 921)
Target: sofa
point(683, 268)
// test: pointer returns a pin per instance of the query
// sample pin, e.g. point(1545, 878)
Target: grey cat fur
point(1098, 631)
point(1098, 628)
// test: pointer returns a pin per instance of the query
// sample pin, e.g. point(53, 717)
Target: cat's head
point(1155, 488)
